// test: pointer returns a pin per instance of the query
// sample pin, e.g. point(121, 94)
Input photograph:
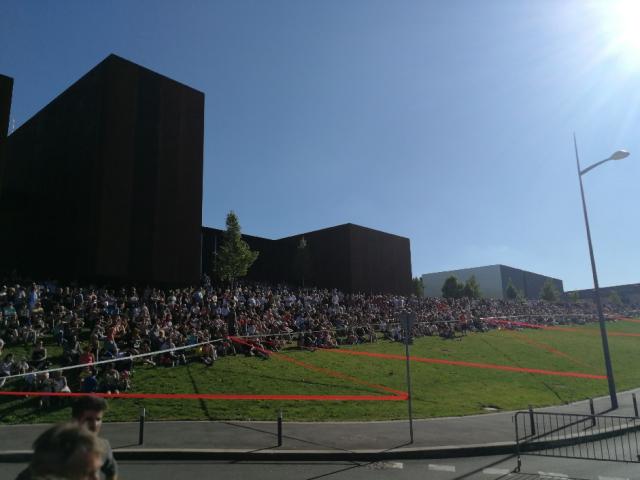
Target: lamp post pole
point(603, 329)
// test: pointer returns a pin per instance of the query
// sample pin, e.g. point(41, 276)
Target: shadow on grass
point(30, 408)
point(203, 404)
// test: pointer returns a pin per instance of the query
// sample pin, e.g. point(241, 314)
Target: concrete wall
point(493, 281)
point(529, 283)
point(629, 293)
point(488, 278)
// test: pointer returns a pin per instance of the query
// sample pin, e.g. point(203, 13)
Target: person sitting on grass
point(44, 384)
point(89, 382)
point(257, 348)
point(71, 350)
point(145, 347)
point(39, 356)
point(111, 380)
point(226, 347)
point(209, 354)
point(7, 365)
point(125, 381)
point(29, 335)
point(6, 368)
point(110, 349)
point(60, 384)
point(85, 357)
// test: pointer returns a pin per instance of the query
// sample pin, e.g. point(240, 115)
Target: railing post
point(593, 412)
point(532, 421)
point(519, 464)
point(635, 404)
point(141, 431)
point(280, 428)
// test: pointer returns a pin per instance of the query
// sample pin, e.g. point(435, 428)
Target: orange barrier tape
point(488, 366)
point(212, 396)
point(592, 332)
point(548, 348)
point(326, 371)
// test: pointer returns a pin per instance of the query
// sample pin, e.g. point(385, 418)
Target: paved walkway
point(475, 434)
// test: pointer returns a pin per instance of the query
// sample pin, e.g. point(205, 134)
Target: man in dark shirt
point(88, 411)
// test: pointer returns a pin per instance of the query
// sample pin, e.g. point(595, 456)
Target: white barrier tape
point(148, 354)
point(111, 360)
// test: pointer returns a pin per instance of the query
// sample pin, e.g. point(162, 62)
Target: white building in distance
point(493, 281)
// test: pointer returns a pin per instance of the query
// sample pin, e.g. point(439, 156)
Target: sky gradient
point(447, 122)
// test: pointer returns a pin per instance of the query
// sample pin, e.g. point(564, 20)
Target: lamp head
point(619, 155)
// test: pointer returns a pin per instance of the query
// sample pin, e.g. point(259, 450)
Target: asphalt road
point(481, 468)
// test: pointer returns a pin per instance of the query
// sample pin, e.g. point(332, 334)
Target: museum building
point(105, 184)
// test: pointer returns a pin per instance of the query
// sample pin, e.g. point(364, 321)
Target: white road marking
point(611, 478)
point(553, 475)
point(497, 471)
point(442, 468)
point(385, 465)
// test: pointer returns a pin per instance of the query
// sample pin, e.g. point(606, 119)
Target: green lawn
point(438, 390)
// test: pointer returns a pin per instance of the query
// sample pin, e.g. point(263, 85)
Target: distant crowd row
point(90, 325)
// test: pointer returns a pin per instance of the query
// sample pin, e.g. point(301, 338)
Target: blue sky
point(447, 122)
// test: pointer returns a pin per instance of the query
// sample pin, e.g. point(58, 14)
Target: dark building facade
point(105, 182)
point(6, 90)
point(349, 257)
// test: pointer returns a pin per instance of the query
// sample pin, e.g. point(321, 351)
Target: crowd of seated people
point(204, 323)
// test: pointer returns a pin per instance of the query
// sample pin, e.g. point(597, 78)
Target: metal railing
point(577, 436)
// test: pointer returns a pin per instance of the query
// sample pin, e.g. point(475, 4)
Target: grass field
point(438, 389)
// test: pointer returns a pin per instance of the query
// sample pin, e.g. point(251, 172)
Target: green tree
point(234, 257)
point(614, 298)
point(511, 292)
point(418, 287)
point(549, 291)
point(451, 288)
point(573, 296)
point(471, 288)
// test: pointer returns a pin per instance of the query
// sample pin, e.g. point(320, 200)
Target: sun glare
point(622, 29)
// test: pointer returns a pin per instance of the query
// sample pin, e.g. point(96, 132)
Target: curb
point(273, 455)
point(163, 454)
point(279, 455)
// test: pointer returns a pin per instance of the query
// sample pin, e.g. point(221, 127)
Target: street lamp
point(618, 155)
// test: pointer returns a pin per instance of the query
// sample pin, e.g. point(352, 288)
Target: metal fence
point(566, 435)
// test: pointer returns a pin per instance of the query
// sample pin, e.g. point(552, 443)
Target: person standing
point(89, 411)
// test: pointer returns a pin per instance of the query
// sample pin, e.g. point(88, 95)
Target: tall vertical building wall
point(6, 90)
point(105, 182)
point(380, 262)
point(529, 283)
